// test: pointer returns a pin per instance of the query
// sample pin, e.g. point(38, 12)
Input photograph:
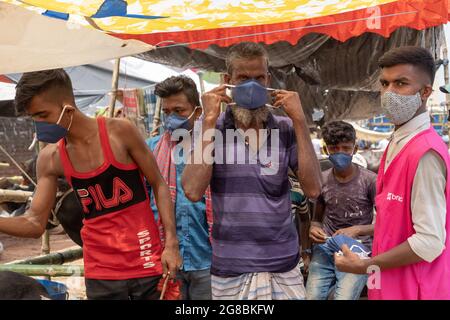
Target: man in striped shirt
point(254, 241)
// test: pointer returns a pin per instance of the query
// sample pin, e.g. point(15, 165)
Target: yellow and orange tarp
point(201, 23)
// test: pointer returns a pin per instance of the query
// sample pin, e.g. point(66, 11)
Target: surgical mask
point(249, 94)
point(340, 160)
point(52, 132)
point(399, 108)
point(173, 122)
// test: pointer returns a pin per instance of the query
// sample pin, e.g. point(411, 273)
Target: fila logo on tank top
point(110, 191)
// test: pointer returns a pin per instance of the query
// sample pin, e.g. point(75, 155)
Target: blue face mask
point(51, 132)
point(340, 160)
point(249, 94)
point(173, 122)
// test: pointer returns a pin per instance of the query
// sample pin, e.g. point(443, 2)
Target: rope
point(286, 30)
point(54, 220)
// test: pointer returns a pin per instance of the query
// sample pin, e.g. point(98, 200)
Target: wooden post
point(114, 86)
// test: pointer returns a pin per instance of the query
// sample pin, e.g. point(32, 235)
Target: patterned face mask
point(399, 108)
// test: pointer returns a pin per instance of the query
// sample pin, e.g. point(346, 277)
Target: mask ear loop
point(420, 95)
point(70, 124)
point(62, 113)
point(193, 112)
point(267, 104)
point(60, 117)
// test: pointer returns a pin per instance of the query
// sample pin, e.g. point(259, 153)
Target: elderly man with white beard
point(254, 241)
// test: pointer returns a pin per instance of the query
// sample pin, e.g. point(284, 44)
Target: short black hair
point(245, 50)
point(177, 84)
point(34, 83)
point(336, 132)
point(416, 56)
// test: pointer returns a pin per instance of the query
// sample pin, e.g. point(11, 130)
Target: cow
point(15, 286)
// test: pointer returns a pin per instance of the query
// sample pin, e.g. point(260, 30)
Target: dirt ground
point(19, 248)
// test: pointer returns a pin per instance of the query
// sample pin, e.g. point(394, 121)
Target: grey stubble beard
point(247, 117)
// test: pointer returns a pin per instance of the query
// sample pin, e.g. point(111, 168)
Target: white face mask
point(399, 108)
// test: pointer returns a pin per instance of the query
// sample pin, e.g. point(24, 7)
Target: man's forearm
point(398, 256)
point(304, 232)
point(366, 230)
point(309, 169)
point(319, 210)
point(22, 226)
point(198, 172)
point(166, 212)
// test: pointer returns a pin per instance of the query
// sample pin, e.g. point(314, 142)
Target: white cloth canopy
point(31, 42)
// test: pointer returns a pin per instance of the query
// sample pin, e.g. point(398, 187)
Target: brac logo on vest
point(394, 197)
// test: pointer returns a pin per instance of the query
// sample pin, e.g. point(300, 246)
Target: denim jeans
point(323, 277)
point(195, 285)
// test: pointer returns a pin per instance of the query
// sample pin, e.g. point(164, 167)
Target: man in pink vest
point(411, 256)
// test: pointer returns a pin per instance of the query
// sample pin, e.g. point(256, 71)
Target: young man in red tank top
point(105, 161)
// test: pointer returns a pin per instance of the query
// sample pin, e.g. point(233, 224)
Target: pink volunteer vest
point(394, 225)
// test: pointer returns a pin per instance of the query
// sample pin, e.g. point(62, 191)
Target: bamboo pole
point(45, 270)
point(45, 242)
point(17, 196)
point(8, 180)
point(223, 106)
point(114, 87)
point(52, 258)
point(202, 82)
point(45, 239)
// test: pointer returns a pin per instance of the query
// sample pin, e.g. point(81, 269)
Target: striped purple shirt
point(253, 229)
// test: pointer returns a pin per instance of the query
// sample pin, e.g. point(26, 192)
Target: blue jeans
point(323, 277)
point(195, 285)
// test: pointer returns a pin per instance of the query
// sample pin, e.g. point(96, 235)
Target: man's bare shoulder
point(48, 161)
point(118, 126)
point(122, 130)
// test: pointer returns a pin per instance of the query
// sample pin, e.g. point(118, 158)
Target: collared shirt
point(191, 224)
point(428, 202)
point(253, 229)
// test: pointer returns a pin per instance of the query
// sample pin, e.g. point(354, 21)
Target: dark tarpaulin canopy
point(91, 84)
point(339, 78)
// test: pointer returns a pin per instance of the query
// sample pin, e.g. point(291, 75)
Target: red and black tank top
point(120, 236)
